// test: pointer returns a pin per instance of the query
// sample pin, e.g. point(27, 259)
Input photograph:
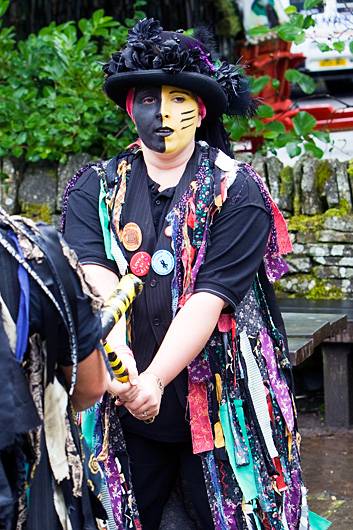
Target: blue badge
point(162, 262)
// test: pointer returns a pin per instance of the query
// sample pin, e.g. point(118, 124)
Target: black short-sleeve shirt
point(88, 328)
point(238, 235)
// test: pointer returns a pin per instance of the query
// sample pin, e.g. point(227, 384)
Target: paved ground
point(327, 458)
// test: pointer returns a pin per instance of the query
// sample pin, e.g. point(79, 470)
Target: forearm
point(187, 335)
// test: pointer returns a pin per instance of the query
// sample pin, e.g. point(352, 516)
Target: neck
point(167, 168)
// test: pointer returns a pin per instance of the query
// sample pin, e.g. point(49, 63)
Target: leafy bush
point(51, 98)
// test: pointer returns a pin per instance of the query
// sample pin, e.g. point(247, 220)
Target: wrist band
point(158, 381)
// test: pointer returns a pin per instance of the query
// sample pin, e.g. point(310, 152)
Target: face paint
point(166, 117)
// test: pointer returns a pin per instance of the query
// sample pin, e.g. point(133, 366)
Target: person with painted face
point(212, 406)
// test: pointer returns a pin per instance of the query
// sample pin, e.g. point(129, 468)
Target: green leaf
point(265, 111)
point(310, 4)
point(276, 83)
point(303, 123)
point(324, 136)
point(258, 31)
point(4, 4)
point(311, 147)
point(323, 47)
point(308, 22)
point(274, 129)
point(351, 46)
point(306, 83)
point(293, 149)
point(258, 83)
point(339, 46)
point(290, 32)
point(290, 10)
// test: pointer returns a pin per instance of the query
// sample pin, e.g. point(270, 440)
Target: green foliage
point(51, 98)
point(306, 83)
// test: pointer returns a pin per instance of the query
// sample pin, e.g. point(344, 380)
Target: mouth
point(164, 131)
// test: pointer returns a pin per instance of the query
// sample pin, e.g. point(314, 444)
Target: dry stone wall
point(314, 195)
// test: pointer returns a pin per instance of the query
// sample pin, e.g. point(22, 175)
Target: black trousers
point(155, 469)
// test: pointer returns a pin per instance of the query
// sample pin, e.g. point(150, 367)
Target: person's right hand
point(129, 390)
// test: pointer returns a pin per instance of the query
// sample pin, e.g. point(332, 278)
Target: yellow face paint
point(180, 113)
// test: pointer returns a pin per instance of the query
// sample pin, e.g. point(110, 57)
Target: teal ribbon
point(244, 474)
point(317, 522)
point(104, 221)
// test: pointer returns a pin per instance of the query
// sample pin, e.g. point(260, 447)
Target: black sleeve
point(238, 239)
point(88, 325)
point(82, 227)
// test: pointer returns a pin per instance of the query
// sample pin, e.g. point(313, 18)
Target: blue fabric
point(22, 323)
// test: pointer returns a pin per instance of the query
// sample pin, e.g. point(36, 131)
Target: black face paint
point(146, 111)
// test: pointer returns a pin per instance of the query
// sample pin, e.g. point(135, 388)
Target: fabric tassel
point(257, 393)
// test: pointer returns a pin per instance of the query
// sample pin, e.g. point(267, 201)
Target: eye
point(179, 99)
point(148, 100)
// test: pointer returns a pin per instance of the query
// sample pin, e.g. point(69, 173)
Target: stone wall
point(314, 195)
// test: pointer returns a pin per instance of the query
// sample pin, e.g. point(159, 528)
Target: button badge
point(140, 263)
point(131, 236)
point(162, 262)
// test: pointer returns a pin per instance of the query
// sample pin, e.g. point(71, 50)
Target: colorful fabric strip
point(201, 430)
point(257, 392)
point(244, 474)
point(278, 385)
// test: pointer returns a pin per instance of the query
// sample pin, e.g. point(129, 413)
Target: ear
point(199, 120)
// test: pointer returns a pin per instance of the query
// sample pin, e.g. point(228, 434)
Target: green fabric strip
point(317, 522)
point(244, 474)
point(104, 220)
point(87, 426)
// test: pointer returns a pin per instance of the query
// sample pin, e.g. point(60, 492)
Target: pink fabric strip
point(201, 430)
point(278, 385)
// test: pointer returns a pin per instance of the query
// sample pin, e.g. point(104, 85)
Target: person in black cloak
point(49, 363)
point(213, 402)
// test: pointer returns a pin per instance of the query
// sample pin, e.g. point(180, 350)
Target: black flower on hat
point(154, 56)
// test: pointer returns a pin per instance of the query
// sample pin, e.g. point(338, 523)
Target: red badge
point(140, 263)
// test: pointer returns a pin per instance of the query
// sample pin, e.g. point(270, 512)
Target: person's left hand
point(147, 403)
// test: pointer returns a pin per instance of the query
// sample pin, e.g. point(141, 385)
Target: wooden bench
point(327, 325)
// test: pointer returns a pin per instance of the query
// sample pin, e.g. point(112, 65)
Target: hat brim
point(117, 86)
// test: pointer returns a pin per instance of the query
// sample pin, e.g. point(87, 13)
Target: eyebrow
point(180, 92)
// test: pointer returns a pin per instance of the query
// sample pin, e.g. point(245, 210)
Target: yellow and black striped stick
point(117, 304)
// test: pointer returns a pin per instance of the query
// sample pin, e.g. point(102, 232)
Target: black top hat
point(156, 57)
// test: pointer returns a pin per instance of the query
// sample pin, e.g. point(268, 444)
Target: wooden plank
point(338, 373)
point(303, 325)
point(300, 348)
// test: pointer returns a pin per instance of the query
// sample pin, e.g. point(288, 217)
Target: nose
point(161, 115)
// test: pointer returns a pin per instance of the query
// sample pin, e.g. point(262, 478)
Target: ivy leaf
point(276, 83)
point(311, 147)
point(265, 111)
point(324, 136)
point(258, 83)
point(306, 83)
point(258, 31)
point(293, 149)
point(290, 10)
point(310, 4)
point(308, 22)
point(274, 129)
point(323, 47)
point(289, 32)
point(303, 123)
point(339, 46)
point(351, 46)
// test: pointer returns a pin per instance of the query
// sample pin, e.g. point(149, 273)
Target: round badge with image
point(131, 236)
point(162, 262)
